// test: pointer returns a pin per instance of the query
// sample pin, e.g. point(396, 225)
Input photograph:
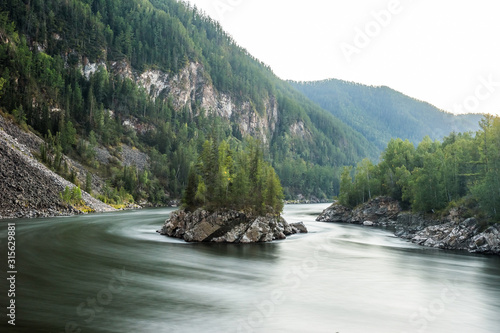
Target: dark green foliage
point(380, 113)
point(233, 178)
point(435, 175)
point(72, 196)
point(189, 197)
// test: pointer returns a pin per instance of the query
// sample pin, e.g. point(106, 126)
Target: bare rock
point(487, 241)
point(299, 227)
point(409, 225)
point(227, 226)
point(380, 210)
point(335, 213)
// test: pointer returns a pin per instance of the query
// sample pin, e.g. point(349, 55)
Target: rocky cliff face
point(193, 86)
point(452, 231)
point(227, 227)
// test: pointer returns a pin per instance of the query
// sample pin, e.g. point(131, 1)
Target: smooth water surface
point(114, 273)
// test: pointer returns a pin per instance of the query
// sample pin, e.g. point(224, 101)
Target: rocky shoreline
point(228, 226)
point(28, 189)
point(452, 232)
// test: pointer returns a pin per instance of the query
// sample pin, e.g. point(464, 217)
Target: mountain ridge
point(389, 113)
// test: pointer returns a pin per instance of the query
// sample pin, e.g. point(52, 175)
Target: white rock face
point(192, 86)
point(299, 129)
point(91, 68)
point(154, 82)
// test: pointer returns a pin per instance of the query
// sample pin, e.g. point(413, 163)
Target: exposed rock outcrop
point(379, 211)
point(464, 235)
point(452, 231)
point(486, 242)
point(409, 224)
point(192, 86)
point(335, 213)
point(227, 227)
point(452, 235)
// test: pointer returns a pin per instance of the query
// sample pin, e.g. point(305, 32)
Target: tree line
point(463, 169)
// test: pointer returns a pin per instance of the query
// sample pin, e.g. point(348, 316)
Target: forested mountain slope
point(381, 113)
point(93, 75)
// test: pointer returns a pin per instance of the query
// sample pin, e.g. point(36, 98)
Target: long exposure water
point(113, 273)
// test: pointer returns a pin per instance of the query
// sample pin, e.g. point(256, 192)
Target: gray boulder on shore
point(228, 226)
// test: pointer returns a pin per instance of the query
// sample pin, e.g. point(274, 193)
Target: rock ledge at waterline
point(228, 226)
point(453, 231)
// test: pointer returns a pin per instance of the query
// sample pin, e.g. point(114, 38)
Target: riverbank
point(452, 231)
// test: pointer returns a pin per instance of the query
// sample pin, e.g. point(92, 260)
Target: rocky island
point(228, 226)
point(232, 196)
point(452, 231)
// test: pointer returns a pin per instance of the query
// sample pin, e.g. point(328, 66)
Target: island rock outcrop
point(228, 226)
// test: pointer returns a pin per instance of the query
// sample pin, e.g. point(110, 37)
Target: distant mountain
point(381, 113)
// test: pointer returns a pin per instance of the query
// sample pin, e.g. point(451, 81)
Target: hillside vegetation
point(381, 113)
point(47, 44)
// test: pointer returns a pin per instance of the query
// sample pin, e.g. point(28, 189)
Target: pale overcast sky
point(445, 52)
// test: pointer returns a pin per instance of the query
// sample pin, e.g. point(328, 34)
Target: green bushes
point(72, 196)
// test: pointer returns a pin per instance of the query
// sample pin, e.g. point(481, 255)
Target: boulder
point(487, 241)
point(298, 227)
point(465, 235)
point(335, 213)
point(452, 235)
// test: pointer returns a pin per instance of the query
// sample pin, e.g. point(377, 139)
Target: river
point(113, 273)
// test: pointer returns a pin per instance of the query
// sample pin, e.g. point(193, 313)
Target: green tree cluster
point(72, 196)
point(226, 178)
point(434, 175)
